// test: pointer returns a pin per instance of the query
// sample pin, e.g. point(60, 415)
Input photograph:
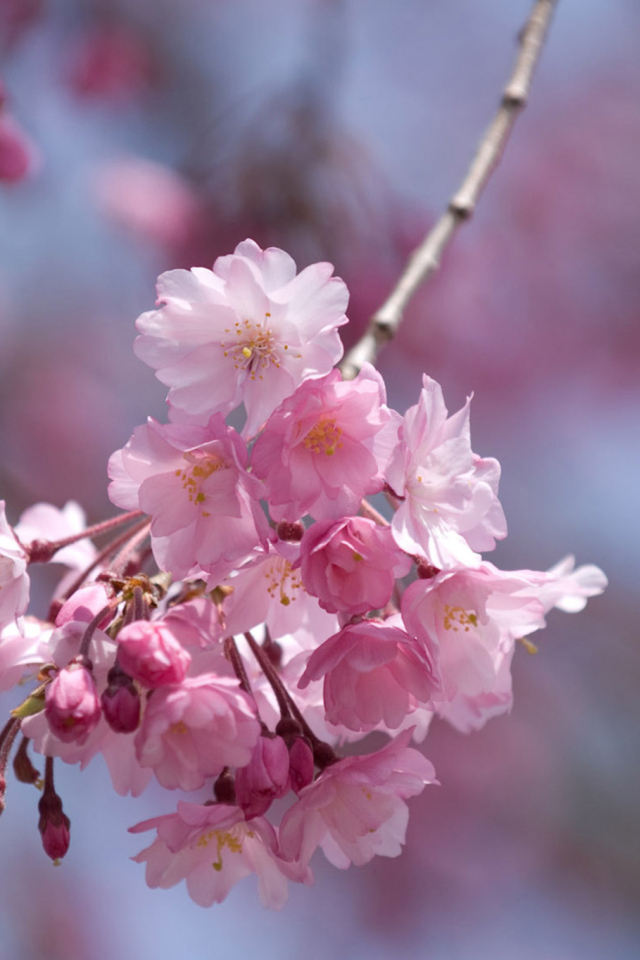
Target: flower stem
point(425, 260)
point(41, 551)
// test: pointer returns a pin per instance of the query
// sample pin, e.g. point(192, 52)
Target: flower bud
point(301, 765)
point(149, 652)
point(121, 702)
point(54, 825)
point(72, 705)
point(265, 777)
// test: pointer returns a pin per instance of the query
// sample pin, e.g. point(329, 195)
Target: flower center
point(222, 838)
point(179, 727)
point(284, 582)
point(457, 617)
point(201, 466)
point(324, 437)
point(254, 348)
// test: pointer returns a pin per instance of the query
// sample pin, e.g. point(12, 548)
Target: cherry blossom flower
point(149, 652)
point(212, 847)
point(355, 810)
point(23, 645)
point(449, 496)
point(14, 579)
point(326, 447)
point(249, 331)
point(568, 588)
point(351, 565)
point(192, 730)
point(469, 620)
point(373, 673)
point(270, 590)
point(193, 483)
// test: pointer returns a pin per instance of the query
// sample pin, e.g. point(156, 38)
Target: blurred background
point(141, 135)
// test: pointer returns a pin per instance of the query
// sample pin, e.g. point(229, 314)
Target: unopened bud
point(291, 532)
point(72, 705)
point(301, 765)
point(224, 788)
point(288, 728)
point(121, 702)
point(54, 825)
point(426, 570)
point(150, 653)
point(265, 777)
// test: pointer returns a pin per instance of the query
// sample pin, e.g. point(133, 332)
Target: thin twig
point(425, 260)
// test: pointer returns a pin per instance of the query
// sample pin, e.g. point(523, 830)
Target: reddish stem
point(41, 551)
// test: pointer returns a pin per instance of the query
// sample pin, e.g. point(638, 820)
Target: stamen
point(456, 617)
point(324, 437)
point(202, 466)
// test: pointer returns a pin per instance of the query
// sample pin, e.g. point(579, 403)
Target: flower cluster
point(261, 613)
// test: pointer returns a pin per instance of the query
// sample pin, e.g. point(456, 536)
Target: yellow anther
point(324, 437)
point(456, 617)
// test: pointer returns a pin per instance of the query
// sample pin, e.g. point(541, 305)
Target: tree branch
point(425, 260)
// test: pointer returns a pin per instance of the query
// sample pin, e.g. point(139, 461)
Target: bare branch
point(425, 260)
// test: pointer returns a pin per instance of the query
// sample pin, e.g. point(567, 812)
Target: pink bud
point(264, 778)
point(301, 764)
point(72, 705)
point(54, 825)
point(121, 703)
point(150, 653)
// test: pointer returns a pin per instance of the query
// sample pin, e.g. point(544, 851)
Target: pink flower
point(192, 730)
point(326, 447)
point(450, 506)
point(469, 620)
point(193, 483)
point(568, 588)
point(83, 605)
point(195, 623)
point(351, 565)
point(23, 644)
point(355, 810)
point(270, 590)
point(250, 331)
point(212, 847)
point(264, 778)
point(373, 673)
point(72, 705)
point(149, 652)
point(14, 579)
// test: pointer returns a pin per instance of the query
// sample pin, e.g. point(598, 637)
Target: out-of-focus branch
point(425, 260)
